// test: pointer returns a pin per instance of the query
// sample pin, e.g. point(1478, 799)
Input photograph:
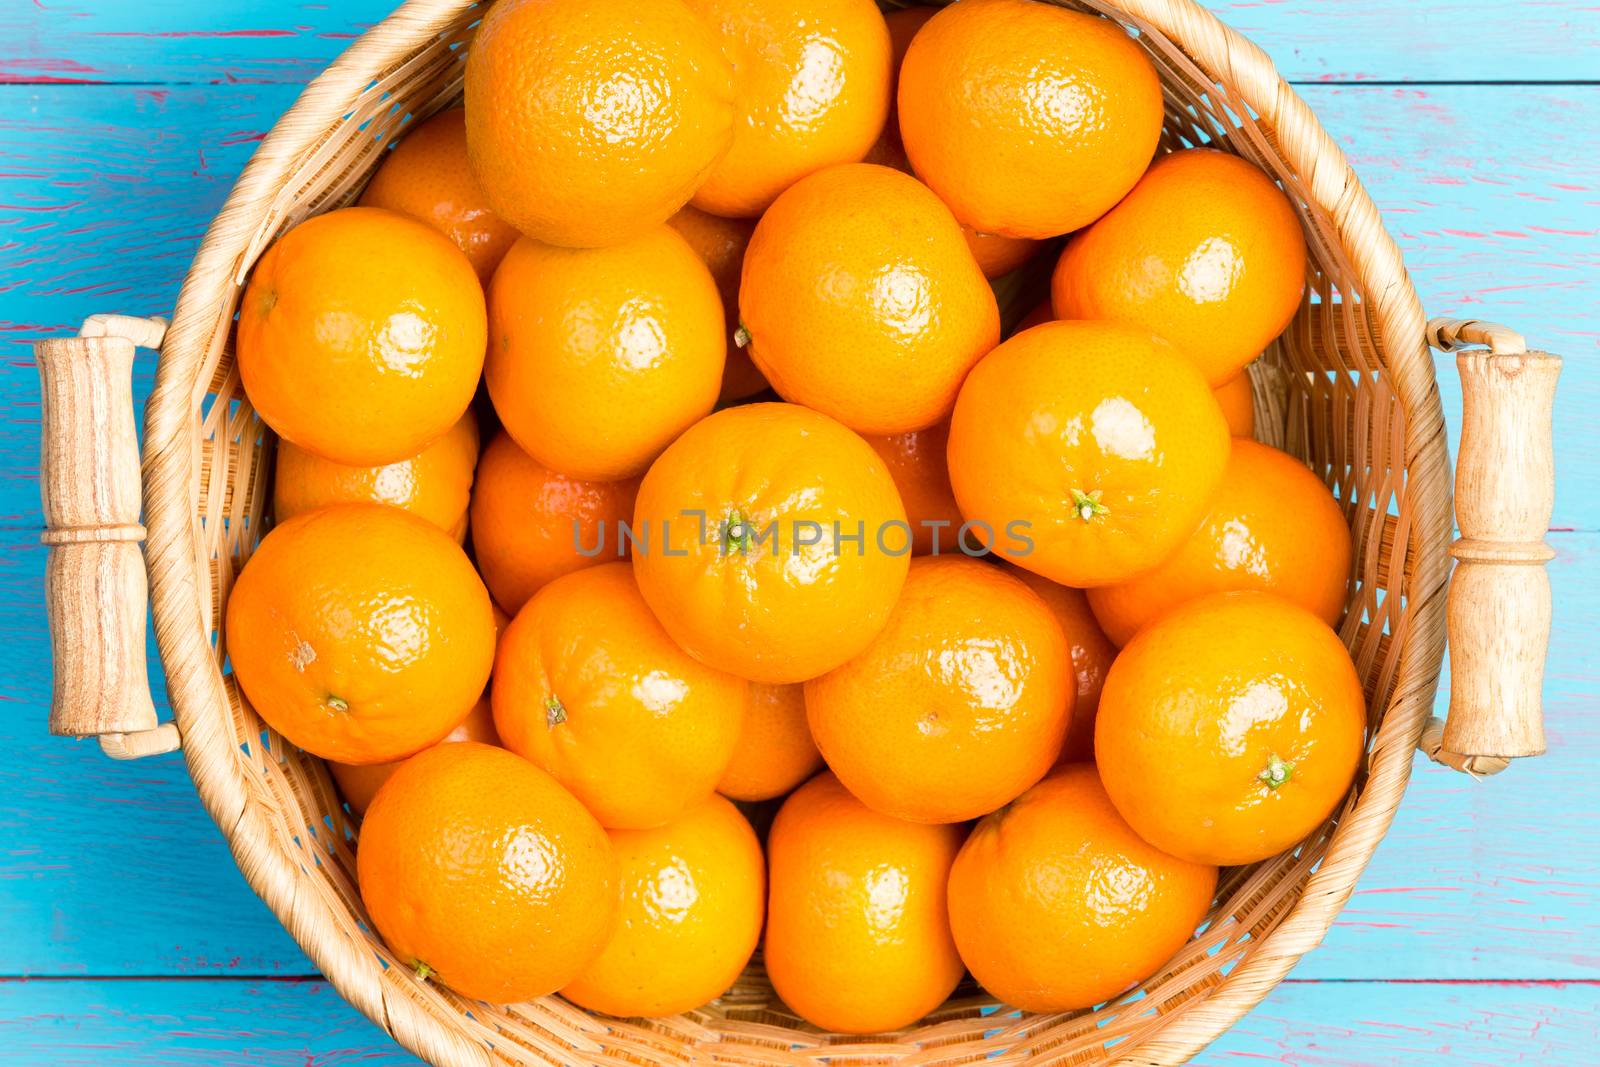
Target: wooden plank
point(1311, 40)
point(1491, 879)
point(97, 213)
point(210, 1023)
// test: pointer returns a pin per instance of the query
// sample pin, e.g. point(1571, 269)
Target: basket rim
point(197, 690)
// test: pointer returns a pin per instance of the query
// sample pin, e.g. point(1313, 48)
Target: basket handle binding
point(1499, 602)
point(1498, 614)
point(96, 587)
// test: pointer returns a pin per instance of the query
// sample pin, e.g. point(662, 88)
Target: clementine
point(1237, 399)
point(959, 704)
point(916, 463)
point(1056, 904)
point(590, 122)
point(693, 896)
point(720, 243)
point(435, 484)
point(589, 687)
point(1093, 445)
point(1230, 728)
point(811, 89)
point(1206, 251)
point(478, 869)
point(775, 751)
point(360, 632)
point(599, 357)
point(531, 525)
point(857, 938)
point(1029, 120)
point(776, 547)
point(861, 299)
point(361, 335)
point(1274, 527)
point(426, 176)
point(1091, 651)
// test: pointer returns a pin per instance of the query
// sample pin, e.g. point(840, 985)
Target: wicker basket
point(1350, 388)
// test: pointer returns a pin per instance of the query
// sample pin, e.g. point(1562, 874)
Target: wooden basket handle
point(1499, 606)
point(95, 588)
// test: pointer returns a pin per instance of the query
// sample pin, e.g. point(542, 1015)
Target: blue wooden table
point(128, 937)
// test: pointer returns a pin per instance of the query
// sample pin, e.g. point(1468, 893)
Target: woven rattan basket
point(1350, 388)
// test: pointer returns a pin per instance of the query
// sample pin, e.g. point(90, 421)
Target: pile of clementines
point(1017, 640)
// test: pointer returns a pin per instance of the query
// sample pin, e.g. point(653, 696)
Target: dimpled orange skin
point(958, 705)
point(811, 89)
point(857, 936)
point(1092, 653)
point(1056, 904)
point(1238, 403)
point(592, 121)
point(775, 751)
point(693, 897)
point(1097, 434)
point(1274, 527)
point(358, 784)
point(426, 176)
point(523, 519)
point(916, 463)
point(599, 357)
point(481, 872)
point(1027, 119)
point(862, 300)
point(1230, 728)
point(435, 484)
point(360, 632)
point(361, 336)
point(779, 611)
point(1205, 251)
point(590, 687)
point(720, 243)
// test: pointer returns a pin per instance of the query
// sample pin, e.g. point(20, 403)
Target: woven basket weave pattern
point(1350, 388)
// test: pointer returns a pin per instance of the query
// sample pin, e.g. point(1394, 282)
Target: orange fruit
point(479, 870)
point(1091, 651)
point(592, 121)
point(531, 525)
point(811, 89)
point(775, 751)
point(359, 783)
point(361, 335)
point(1237, 400)
point(599, 357)
point(861, 299)
point(435, 484)
point(916, 463)
point(360, 632)
point(1230, 728)
point(720, 243)
point(857, 939)
point(1099, 437)
point(426, 176)
point(693, 897)
point(765, 558)
point(1274, 527)
point(1205, 251)
point(590, 687)
point(1040, 314)
point(1056, 904)
point(958, 705)
point(1029, 120)
point(903, 25)
point(998, 256)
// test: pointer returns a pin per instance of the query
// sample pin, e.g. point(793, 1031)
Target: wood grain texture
point(56, 41)
point(210, 1023)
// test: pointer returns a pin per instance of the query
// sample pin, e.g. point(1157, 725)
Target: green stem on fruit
point(734, 534)
point(1087, 505)
point(422, 970)
point(741, 337)
point(338, 703)
point(555, 713)
point(1277, 773)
